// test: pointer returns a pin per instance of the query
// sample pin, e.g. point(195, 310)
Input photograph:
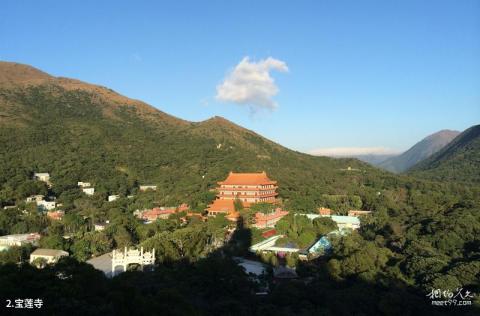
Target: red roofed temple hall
point(247, 187)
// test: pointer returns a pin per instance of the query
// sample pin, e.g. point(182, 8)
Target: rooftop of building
point(250, 266)
point(345, 219)
point(219, 205)
point(269, 233)
point(247, 179)
point(340, 219)
point(49, 252)
point(29, 236)
point(160, 210)
point(275, 214)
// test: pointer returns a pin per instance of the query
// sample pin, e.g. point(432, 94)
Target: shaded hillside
point(81, 132)
point(420, 151)
point(458, 161)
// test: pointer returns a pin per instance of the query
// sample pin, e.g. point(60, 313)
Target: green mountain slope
point(82, 132)
point(420, 151)
point(458, 161)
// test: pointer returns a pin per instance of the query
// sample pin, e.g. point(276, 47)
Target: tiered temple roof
point(221, 206)
point(247, 188)
point(269, 219)
point(247, 179)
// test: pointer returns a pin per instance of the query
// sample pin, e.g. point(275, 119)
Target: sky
point(366, 76)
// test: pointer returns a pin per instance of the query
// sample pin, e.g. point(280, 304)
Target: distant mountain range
point(374, 159)
point(458, 161)
point(420, 151)
point(399, 163)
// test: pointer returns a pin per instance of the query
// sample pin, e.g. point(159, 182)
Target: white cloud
point(352, 151)
point(250, 84)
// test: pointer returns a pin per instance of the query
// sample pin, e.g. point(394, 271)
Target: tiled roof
point(56, 214)
point(22, 237)
point(247, 179)
point(358, 212)
point(324, 211)
point(222, 206)
point(266, 217)
point(345, 219)
point(49, 252)
point(183, 207)
point(269, 233)
point(158, 211)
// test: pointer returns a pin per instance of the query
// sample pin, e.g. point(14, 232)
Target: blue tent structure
point(322, 245)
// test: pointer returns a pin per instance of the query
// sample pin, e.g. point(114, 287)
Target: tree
point(274, 260)
point(16, 254)
point(40, 263)
point(52, 242)
point(262, 207)
point(292, 260)
point(354, 256)
point(31, 187)
point(81, 249)
point(122, 237)
point(324, 225)
point(238, 205)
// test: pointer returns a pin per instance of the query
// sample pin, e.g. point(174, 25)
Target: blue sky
point(360, 73)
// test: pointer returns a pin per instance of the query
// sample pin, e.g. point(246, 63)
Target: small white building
point(8, 241)
point(42, 176)
point(358, 213)
point(84, 184)
point(100, 226)
point(49, 255)
point(148, 187)
point(46, 205)
point(112, 198)
point(35, 198)
point(88, 191)
point(343, 222)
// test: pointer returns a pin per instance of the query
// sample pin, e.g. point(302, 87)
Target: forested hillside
point(80, 132)
point(458, 161)
point(418, 152)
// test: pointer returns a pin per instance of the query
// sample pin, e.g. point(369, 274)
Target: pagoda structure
point(248, 188)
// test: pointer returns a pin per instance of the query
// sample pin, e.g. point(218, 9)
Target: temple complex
point(247, 188)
